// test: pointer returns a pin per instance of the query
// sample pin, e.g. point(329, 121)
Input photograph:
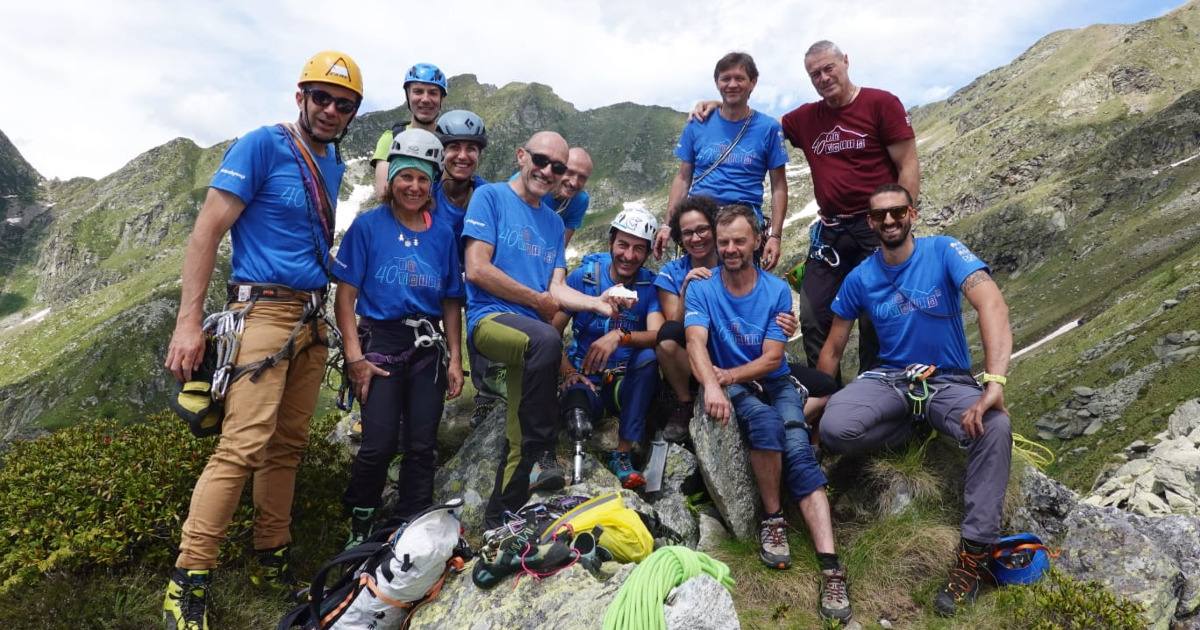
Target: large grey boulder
point(721, 452)
point(1153, 560)
point(471, 473)
point(701, 603)
point(569, 600)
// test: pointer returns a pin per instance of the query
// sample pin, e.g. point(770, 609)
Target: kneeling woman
point(398, 269)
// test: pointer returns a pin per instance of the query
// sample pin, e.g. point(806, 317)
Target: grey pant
point(870, 414)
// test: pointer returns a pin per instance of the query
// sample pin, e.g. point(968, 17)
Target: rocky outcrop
point(1165, 478)
point(721, 453)
point(1154, 561)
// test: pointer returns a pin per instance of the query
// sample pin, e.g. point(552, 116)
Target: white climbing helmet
point(636, 222)
point(419, 144)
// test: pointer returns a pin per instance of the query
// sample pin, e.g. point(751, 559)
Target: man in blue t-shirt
point(280, 210)
point(611, 364)
point(516, 272)
point(570, 201)
point(735, 344)
point(912, 290)
point(728, 156)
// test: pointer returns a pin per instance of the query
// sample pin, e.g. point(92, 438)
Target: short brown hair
point(737, 59)
point(728, 214)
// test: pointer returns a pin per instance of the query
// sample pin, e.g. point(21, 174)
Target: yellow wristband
point(995, 378)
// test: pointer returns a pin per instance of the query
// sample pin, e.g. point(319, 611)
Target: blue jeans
point(779, 422)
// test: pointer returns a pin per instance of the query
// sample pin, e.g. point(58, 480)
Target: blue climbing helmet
point(1020, 559)
point(425, 73)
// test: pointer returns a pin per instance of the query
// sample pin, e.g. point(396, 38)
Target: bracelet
point(569, 372)
point(995, 378)
point(770, 236)
point(358, 360)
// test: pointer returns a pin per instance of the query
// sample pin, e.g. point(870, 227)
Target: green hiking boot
point(187, 595)
point(361, 526)
point(274, 571)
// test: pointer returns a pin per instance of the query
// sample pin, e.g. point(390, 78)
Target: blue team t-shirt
point(570, 210)
point(594, 279)
point(528, 244)
point(737, 326)
point(671, 275)
point(277, 238)
point(448, 209)
point(398, 272)
point(740, 176)
point(916, 306)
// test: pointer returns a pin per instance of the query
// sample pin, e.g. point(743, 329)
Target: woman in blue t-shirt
point(398, 270)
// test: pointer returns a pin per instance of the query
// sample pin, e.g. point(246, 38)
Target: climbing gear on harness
point(917, 375)
point(425, 335)
point(1020, 559)
point(818, 249)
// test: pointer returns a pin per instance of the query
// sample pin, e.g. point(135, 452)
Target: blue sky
point(98, 83)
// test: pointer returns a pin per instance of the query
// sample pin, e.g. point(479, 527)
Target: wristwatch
point(626, 335)
point(995, 378)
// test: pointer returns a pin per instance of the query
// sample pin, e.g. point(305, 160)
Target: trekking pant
point(264, 433)
point(479, 369)
point(405, 405)
point(869, 414)
point(854, 241)
point(532, 350)
point(628, 396)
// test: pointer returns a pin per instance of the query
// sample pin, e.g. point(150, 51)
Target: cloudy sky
point(93, 84)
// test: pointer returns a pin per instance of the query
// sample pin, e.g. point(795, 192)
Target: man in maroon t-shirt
point(854, 139)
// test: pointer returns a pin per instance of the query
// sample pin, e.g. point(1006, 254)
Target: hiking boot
point(361, 526)
point(546, 475)
point(677, 423)
point(773, 544)
point(274, 571)
point(622, 466)
point(481, 413)
point(963, 583)
point(835, 597)
point(187, 595)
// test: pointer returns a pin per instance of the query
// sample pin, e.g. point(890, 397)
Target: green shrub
point(1059, 602)
point(104, 494)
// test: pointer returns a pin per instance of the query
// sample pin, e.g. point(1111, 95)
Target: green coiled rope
point(639, 603)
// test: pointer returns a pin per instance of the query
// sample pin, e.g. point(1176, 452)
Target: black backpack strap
point(353, 559)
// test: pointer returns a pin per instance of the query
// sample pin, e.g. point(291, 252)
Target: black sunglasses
point(322, 99)
point(541, 160)
point(898, 213)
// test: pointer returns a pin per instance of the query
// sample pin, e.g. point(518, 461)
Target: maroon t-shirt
point(846, 148)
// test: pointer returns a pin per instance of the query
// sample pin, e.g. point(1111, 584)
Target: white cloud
point(94, 84)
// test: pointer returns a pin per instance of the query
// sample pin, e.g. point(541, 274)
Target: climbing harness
point(425, 335)
point(912, 384)
point(818, 249)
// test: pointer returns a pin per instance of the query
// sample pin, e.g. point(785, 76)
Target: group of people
point(707, 331)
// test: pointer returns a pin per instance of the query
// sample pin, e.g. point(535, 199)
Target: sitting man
point(611, 363)
point(745, 354)
point(912, 290)
point(516, 283)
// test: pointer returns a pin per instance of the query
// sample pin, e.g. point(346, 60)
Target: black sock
point(778, 514)
point(828, 561)
point(974, 548)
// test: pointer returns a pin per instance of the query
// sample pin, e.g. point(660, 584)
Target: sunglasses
point(898, 213)
point(541, 160)
point(322, 99)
